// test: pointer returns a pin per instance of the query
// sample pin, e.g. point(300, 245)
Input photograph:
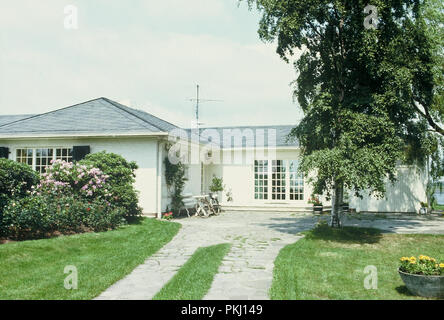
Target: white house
point(258, 165)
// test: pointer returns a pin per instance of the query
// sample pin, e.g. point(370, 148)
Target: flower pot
point(424, 286)
point(318, 209)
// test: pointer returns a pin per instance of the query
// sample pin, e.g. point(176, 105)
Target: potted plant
point(217, 186)
point(423, 276)
point(423, 209)
point(317, 204)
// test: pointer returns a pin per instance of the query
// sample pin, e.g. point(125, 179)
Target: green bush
point(120, 180)
point(39, 216)
point(16, 180)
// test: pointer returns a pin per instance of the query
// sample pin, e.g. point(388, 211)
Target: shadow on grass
point(135, 220)
point(404, 291)
point(345, 234)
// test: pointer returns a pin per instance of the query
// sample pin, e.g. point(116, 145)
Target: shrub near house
point(120, 177)
point(73, 198)
point(16, 179)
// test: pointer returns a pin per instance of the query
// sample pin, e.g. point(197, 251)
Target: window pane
point(260, 179)
point(297, 180)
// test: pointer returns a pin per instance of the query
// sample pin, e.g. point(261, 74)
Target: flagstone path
point(247, 271)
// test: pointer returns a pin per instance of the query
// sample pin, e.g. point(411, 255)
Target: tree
point(430, 104)
point(357, 85)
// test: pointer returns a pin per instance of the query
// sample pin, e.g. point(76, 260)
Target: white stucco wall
point(404, 195)
point(141, 150)
point(240, 179)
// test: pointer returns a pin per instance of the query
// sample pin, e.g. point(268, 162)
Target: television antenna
point(199, 101)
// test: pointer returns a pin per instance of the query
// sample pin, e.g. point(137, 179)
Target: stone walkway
point(247, 270)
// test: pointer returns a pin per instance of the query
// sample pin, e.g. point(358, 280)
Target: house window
point(43, 158)
point(24, 156)
point(40, 158)
point(296, 181)
point(64, 154)
point(278, 177)
point(278, 180)
point(261, 179)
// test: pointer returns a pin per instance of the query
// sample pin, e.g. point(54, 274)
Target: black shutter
point(80, 152)
point(4, 152)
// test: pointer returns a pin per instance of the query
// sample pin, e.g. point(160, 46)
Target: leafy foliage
point(120, 179)
point(39, 216)
point(217, 184)
point(359, 88)
point(16, 179)
point(175, 181)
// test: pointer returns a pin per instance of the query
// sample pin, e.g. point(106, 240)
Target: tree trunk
point(336, 204)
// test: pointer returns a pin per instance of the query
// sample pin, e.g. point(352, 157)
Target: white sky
point(148, 54)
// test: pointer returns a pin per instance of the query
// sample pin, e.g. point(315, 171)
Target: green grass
point(35, 269)
point(194, 279)
point(329, 264)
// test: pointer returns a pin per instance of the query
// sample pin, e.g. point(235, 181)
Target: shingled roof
point(103, 116)
point(249, 134)
point(99, 116)
point(11, 118)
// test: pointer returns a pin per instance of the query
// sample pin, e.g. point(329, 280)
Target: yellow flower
point(404, 259)
point(441, 265)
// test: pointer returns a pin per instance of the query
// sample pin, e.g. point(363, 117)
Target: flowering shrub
point(167, 216)
point(64, 177)
point(120, 178)
point(68, 198)
point(424, 265)
point(315, 201)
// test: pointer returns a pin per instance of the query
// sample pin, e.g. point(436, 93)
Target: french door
point(278, 180)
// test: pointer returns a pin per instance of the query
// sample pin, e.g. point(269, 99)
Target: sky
point(147, 54)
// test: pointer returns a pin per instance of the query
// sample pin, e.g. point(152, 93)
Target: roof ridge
point(116, 104)
point(119, 105)
point(45, 113)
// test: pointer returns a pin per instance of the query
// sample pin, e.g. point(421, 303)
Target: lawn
point(35, 269)
point(194, 279)
point(329, 264)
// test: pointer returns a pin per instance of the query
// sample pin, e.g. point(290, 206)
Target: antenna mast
point(198, 101)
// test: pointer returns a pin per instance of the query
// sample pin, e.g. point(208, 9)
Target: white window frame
point(34, 153)
point(270, 185)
